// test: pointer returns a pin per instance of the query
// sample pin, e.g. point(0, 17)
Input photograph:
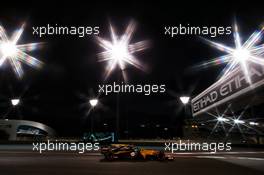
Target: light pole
point(185, 100)
point(118, 52)
point(93, 102)
point(14, 102)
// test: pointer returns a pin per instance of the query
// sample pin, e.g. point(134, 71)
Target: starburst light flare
point(119, 52)
point(229, 121)
point(240, 55)
point(16, 53)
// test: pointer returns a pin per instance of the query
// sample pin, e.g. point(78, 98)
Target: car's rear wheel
point(109, 157)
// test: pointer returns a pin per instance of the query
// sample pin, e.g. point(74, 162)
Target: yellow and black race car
point(125, 151)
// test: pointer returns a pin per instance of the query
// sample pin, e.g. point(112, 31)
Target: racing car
point(126, 151)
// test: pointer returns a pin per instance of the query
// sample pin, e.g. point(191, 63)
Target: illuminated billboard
point(228, 88)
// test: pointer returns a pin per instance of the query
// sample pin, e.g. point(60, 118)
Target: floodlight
point(185, 99)
point(93, 102)
point(15, 101)
point(237, 121)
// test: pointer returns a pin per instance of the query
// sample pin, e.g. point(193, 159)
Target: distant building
point(24, 130)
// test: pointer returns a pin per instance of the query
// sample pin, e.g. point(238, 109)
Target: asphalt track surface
point(33, 163)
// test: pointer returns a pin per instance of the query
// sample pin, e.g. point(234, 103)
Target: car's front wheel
point(161, 156)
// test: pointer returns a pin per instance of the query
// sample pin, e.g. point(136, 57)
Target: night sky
point(52, 95)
